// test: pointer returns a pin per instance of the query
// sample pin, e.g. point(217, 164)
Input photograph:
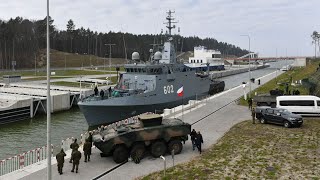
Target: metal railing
point(39, 154)
point(22, 160)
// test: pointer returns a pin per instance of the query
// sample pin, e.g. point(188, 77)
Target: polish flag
point(180, 92)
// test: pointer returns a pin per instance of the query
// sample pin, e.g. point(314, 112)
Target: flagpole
point(49, 175)
point(182, 107)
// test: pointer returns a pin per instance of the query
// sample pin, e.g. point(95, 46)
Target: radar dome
point(157, 55)
point(135, 56)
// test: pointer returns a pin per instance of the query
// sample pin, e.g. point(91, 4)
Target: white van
point(298, 104)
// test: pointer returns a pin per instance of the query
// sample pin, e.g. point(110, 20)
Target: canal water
point(19, 137)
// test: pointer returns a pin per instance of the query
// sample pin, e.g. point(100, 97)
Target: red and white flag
point(180, 92)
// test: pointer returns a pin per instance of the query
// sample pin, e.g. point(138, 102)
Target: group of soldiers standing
point(75, 154)
point(196, 139)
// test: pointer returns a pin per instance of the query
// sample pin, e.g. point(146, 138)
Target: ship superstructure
point(148, 86)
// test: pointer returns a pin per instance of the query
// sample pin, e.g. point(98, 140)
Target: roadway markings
point(110, 170)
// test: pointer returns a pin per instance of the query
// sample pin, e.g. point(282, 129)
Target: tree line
point(22, 39)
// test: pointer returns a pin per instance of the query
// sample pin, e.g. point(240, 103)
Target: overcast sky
point(273, 25)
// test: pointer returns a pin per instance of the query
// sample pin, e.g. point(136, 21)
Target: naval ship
point(151, 86)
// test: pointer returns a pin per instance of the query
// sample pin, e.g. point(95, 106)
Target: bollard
point(164, 163)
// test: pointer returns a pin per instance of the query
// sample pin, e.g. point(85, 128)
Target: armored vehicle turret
point(151, 131)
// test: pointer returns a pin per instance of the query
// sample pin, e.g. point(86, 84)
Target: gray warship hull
point(106, 111)
point(154, 85)
point(102, 115)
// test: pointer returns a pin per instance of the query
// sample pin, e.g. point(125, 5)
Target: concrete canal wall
point(237, 70)
point(21, 101)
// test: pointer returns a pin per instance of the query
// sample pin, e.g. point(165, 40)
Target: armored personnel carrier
point(151, 132)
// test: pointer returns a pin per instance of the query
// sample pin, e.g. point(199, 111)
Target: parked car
point(278, 116)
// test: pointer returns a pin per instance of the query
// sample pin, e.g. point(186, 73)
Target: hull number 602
point(168, 89)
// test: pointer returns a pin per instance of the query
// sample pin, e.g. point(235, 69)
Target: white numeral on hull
point(168, 89)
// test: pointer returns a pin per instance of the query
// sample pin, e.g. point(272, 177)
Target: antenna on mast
point(170, 23)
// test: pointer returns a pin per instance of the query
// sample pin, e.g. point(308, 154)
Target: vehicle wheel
point(137, 152)
point(120, 154)
point(175, 145)
point(286, 124)
point(158, 148)
point(263, 121)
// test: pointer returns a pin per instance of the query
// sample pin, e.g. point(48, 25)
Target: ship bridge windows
point(153, 70)
point(216, 55)
point(197, 60)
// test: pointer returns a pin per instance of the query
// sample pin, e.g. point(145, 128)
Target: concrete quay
point(212, 128)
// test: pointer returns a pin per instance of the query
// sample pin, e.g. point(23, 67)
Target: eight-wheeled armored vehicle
point(151, 132)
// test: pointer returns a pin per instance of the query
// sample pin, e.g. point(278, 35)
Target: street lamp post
point(110, 54)
point(49, 174)
point(249, 65)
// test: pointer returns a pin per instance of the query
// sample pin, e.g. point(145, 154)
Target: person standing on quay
point(250, 103)
point(90, 140)
point(87, 150)
point(199, 141)
point(74, 146)
point(193, 136)
point(253, 114)
point(60, 160)
point(76, 156)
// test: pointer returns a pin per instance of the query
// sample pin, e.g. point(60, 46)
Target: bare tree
point(70, 29)
point(315, 39)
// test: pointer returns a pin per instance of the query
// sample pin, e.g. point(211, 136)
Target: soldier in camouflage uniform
point(74, 146)
point(87, 150)
point(60, 160)
point(76, 156)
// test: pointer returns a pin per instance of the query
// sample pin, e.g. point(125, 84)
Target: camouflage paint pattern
point(129, 134)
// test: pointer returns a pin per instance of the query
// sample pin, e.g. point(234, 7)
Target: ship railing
point(22, 160)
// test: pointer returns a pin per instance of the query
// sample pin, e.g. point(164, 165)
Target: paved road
point(212, 128)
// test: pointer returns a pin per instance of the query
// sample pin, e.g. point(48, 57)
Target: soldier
point(250, 103)
point(199, 141)
point(87, 150)
point(109, 91)
point(102, 93)
point(96, 91)
point(76, 156)
point(193, 136)
point(253, 114)
point(60, 160)
point(74, 146)
point(90, 140)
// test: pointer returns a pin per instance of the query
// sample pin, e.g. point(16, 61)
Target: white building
point(202, 56)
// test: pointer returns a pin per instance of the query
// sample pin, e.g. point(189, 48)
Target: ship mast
point(171, 22)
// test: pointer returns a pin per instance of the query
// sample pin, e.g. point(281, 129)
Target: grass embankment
point(62, 59)
point(295, 74)
point(256, 151)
